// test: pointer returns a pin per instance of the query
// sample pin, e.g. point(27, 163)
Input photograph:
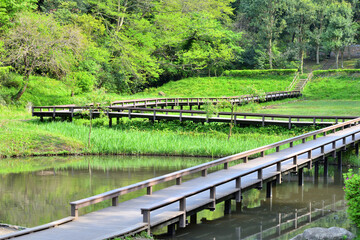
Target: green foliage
point(84, 81)
point(357, 64)
point(250, 73)
point(220, 86)
point(339, 86)
point(352, 195)
point(330, 72)
point(9, 8)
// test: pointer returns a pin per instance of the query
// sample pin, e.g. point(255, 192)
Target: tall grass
point(162, 138)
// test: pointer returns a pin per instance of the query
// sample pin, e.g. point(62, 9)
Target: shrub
point(357, 64)
point(84, 81)
point(352, 195)
point(335, 71)
point(252, 73)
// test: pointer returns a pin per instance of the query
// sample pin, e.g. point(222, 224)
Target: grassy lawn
point(220, 86)
point(334, 87)
point(312, 107)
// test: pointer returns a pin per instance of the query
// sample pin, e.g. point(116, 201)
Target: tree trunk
point(22, 90)
point(301, 61)
point(349, 53)
point(270, 54)
point(317, 54)
point(337, 58)
point(342, 58)
point(89, 143)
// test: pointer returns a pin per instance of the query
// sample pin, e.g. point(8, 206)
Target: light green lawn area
point(313, 107)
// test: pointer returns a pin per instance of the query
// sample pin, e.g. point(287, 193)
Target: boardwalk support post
point(301, 176)
point(182, 208)
point(269, 189)
point(193, 219)
point(171, 230)
point(114, 201)
point(316, 174)
point(227, 209)
point(213, 198)
point(339, 158)
point(74, 211)
point(326, 164)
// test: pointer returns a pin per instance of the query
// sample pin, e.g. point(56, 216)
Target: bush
point(352, 195)
point(335, 71)
point(252, 73)
point(357, 64)
point(84, 81)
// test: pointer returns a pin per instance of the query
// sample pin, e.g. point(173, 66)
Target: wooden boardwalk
point(155, 109)
point(69, 111)
point(172, 205)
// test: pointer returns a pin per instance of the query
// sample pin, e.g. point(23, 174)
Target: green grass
point(333, 87)
point(136, 137)
point(310, 107)
point(218, 87)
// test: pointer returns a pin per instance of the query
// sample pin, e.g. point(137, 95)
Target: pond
point(35, 191)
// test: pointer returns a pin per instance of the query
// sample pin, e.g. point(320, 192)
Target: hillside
point(220, 86)
point(344, 87)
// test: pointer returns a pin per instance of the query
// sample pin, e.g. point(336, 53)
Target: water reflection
point(291, 206)
point(35, 191)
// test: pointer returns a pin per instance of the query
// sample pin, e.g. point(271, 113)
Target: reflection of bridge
point(172, 205)
point(287, 222)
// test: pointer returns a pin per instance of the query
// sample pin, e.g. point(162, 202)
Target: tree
point(38, 43)
point(97, 102)
point(317, 27)
point(340, 31)
point(267, 21)
point(300, 17)
point(9, 9)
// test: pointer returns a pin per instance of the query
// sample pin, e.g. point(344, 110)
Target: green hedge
point(352, 196)
point(251, 73)
point(335, 71)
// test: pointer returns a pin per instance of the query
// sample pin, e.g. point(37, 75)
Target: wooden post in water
point(227, 208)
point(193, 219)
point(316, 173)
point(300, 176)
point(269, 189)
point(171, 229)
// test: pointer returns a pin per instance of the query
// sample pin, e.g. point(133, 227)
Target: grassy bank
point(138, 137)
point(220, 86)
point(335, 87)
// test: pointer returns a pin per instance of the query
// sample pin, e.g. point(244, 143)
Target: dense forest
point(124, 46)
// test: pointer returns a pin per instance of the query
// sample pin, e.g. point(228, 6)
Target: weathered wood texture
point(175, 203)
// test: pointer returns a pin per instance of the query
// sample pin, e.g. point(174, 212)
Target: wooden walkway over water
point(172, 205)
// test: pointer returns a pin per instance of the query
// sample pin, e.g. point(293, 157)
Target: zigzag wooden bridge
point(172, 206)
point(69, 111)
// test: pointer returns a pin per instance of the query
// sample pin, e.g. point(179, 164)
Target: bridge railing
point(203, 168)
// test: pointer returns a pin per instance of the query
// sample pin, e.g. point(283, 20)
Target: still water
point(35, 191)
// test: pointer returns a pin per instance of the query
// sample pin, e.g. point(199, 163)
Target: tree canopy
point(125, 46)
